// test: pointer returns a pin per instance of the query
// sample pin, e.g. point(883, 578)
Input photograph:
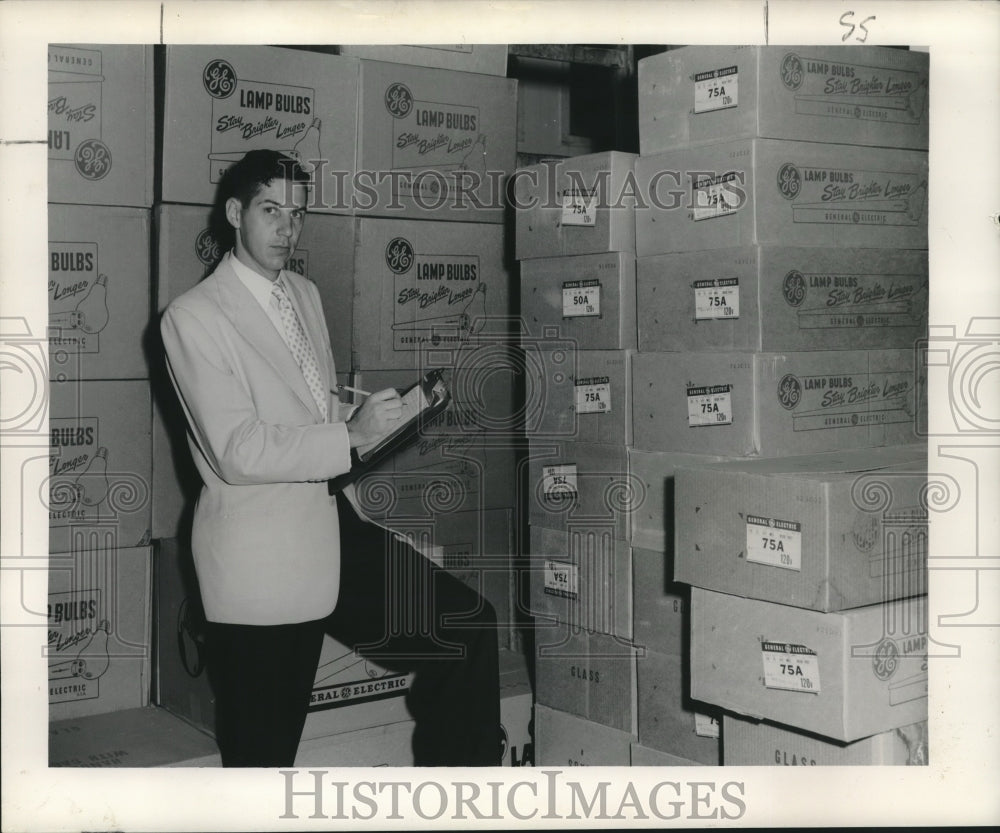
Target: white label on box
point(790, 667)
point(717, 89)
point(581, 298)
point(561, 579)
point(715, 299)
point(716, 196)
point(579, 208)
point(705, 726)
point(774, 542)
point(593, 396)
point(559, 481)
point(712, 405)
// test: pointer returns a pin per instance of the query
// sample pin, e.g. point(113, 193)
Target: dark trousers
point(395, 608)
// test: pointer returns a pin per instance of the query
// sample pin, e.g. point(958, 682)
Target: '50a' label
point(581, 298)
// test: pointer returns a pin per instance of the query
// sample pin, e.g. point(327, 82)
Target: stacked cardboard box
point(781, 285)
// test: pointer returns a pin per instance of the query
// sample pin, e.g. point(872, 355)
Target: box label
point(78, 473)
point(559, 481)
point(847, 400)
point(716, 196)
point(790, 667)
point(716, 299)
point(717, 89)
point(76, 79)
point(593, 396)
point(774, 542)
point(705, 726)
point(78, 302)
point(847, 301)
point(363, 690)
point(579, 208)
point(77, 645)
point(581, 298)
point(712, 405)
point(561, 579)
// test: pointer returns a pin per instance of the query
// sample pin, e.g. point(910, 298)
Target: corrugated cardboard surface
point(771, 192)
point(567, 740)
point(764, 298)
point(574, 484)
point(222, 101)
point(752, 743)
point(424, 289)
point(771, 404)
point(99, 292)
point(581, 577)
point(489, 59)
point(827, 532)
point(435, 144)
point(99, 647)
point(588, 301)
point(137, 737)
point(864, 678)
point(99, 464)
point(855, 95)
point(100, 120)
point(668, 719)
point(188, 251)
point(644, 756)
point(601, 184)
point(586, 396)
point(653, 473)
point(588, 674)
point(661, 606)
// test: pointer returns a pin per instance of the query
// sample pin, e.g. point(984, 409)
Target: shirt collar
point(259, 286)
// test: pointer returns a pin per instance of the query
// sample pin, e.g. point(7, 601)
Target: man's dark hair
point(256, 170)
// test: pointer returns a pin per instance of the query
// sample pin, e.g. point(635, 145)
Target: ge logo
point(789, 181)
point(92, 159)
point(398, 100)
point(207, 249)
point(219, 78)
point(399, 255)
point(791, 71)
point(885, 659)
point(794, 288)
point(789, 391)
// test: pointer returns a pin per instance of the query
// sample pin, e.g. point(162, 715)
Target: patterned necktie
point(300, 346)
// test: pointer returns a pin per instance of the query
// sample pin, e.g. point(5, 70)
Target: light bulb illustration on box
point(90, 315)
point(91, 661)
point(92, 485)
point(306, 150)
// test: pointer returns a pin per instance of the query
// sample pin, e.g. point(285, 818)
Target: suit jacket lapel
point(256, 328)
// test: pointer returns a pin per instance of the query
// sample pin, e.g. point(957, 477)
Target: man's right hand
point(378, 415)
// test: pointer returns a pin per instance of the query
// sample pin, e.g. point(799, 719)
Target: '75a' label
point(559, 481)
point(719, 298)
point(790, 667)
point(581, 298)
point(579, 208)
point(711, 405)
point(716, 89)
point(593, 395)
point(561, 579)
point(774, 542)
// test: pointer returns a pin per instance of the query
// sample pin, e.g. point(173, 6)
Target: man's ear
point(234, 211)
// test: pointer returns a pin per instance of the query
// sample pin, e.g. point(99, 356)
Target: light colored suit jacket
point(266, 538)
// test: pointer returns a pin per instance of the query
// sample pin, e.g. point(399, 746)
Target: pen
point(354, 390)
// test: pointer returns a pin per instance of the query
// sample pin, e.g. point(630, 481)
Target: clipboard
point(424, 400)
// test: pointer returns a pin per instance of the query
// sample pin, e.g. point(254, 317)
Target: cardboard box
point(517, 747)
point(652, 473)
point(544, 110)
point(644, 756)
point(845, 675)
point(770, 192)
point(573, 485)
point(578, 206)
point(99, 465)
point(486, 58)
point(434, 144)
point(100, 106)
point(753, 743)
point(826, 532)
point(853, 95)
point(390, 745)
point(583, 578)
point(587, 300)
point(99, 292)
point(770, 404)
point(222, 101)
point(661, 606)
point(567, 740)
point(190, 245)
point(589, 400)
point(668, 719)
point(437, 476)
point(99, 646)
point(427, 288)
point(764, 298)
point(139, 737)
point(591, 675)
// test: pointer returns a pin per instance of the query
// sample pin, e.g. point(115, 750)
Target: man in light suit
point(249, 355)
